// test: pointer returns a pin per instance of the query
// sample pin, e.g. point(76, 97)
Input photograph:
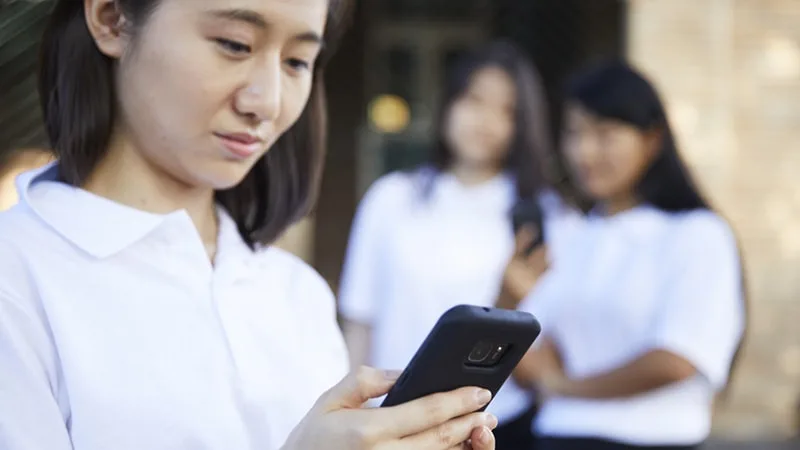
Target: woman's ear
point(106, 24)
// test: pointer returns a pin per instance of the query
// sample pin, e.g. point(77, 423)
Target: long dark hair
point(531, 139)
point(77, 94)
point(615, 90)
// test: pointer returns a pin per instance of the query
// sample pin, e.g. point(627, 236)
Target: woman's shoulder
point(703, 225)
point(292, 272)
point(392, 193)
point(395, 185)
point(286, 263)
point(700, 235)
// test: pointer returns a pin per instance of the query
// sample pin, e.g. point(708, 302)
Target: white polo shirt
point(116, 332)
point(635, 282)
point(410, 259)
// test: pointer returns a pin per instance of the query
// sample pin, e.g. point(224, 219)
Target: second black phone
point(527, 212)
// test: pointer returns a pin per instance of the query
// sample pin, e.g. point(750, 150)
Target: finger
point(360, 385)
point(480, 436)
point(482, 439)
point(425, 413)
point(538, 257)
point(452, 433)
point(462, 446)
point(524, 238)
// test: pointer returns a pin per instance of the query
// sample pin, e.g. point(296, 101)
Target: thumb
point(525, 236)
point(360, 385)
point(538, 258)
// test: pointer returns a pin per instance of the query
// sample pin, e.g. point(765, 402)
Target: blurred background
point(729, 71)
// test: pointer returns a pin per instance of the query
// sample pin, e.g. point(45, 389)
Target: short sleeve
point(360, 285)
point(31, 417)
point(702, 316)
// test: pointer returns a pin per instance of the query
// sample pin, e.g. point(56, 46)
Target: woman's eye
point(298, 64)
point(232, 46)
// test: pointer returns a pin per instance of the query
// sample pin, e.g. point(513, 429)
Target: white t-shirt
point(635, 282)
point(410, 259)
point(117, 333)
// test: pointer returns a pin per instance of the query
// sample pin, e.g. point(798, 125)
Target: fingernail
point(490, 421)
point(483, 396)
point(392, 375)
point(483, 436)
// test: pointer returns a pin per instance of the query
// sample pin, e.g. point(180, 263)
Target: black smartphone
point(468, 346)
point(528, 212)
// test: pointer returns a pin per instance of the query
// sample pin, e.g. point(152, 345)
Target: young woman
point(426, 240)
point(644, 313)
point(141, 305)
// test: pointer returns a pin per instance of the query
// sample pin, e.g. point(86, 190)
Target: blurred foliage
point(21, 26)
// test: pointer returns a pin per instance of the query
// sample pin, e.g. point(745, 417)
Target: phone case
point(442, 363)
point(528, 212)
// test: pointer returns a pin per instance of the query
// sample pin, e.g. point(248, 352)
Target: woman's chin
point(223, 177)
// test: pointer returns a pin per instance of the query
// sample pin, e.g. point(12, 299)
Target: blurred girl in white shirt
point(644, 313)
point(426, 240)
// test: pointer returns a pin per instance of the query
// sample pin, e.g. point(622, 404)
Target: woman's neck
point(473, 175)
point(618, 205)
point(125, 177)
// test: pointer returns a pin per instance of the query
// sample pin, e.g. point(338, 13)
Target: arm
point(543, 359)
point(31, 417)
point(653, 370)
point(361, 284)
point(522, 271)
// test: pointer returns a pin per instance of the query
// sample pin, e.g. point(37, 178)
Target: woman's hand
point(523, 269)
point(437, 422)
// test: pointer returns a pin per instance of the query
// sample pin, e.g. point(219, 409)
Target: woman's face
point(480, 124)
point(207, 86)
point(607, 157)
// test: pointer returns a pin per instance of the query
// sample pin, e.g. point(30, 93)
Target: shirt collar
point(97, 225)
point(497, 191)
point(641, 221)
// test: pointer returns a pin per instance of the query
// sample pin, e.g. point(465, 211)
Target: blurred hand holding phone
point(529, 260)
point(527, 218)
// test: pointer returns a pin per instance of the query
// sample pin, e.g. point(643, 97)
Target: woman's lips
point(240, 145)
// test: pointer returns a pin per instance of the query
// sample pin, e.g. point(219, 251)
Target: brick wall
point(730, 73)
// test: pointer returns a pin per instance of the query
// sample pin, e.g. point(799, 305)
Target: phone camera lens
point(480, 352)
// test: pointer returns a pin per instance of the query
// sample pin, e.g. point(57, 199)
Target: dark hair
point(77, 94)
point(531, 139)
point(615, 90)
